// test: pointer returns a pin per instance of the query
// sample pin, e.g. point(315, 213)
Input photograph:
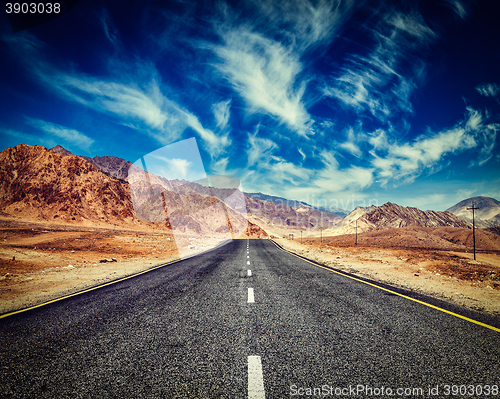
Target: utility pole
point(356, 232)
point(473, 228)
point(301, 236)
point(321, 230)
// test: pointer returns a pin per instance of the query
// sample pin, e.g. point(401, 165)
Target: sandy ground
point(37, 265)
point(449, 275)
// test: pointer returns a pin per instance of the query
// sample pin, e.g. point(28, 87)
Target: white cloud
point(259, 149)
point(488, 89)
point(178, 167)
point(411, 23)
point(222, 112)
point(378, 140)
point(458, 7)
point(109, 29)
point(216, 144)
point(302, 153)
point(350, 145)
point(220, 166)
point(304, 23)
point(265, 74)
point(135, 98)
point(405, 162)
point(383, 81)
point(71, 136)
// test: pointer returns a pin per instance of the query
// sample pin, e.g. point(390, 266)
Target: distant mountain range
point(266, 211)
point(389, 215)
point(295, 204)
point(488, 214)
point(56, 186)
point(39, 184)
point(112, 166)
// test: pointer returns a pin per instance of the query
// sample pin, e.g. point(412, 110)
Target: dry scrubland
point(40, 262)
point(420, 259)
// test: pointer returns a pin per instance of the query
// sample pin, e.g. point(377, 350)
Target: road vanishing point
point(246, 320)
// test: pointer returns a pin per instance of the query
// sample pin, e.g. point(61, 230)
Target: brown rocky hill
point(112, 166)
point(60, 150)
point(488, 214)
point(39, 184)
point(266, 213)
point(201, 215)
point(281, 216)
point(391, 215)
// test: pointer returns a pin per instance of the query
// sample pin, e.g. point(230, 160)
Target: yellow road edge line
point(89, 289)
point(392, 292)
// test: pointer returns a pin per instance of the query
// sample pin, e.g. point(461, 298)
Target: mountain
point(391, 215)
point(265, 210)
point(112, 166)
point(488, 214)
point(42, 184)
point(295, 204)
point(60, 150)
point(277, 200)
point(280, 218)
point(39, 184)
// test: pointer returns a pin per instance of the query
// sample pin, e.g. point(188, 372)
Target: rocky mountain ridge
point(112, 166)
point(39, 184)
point(389, 215)
point(295, 204)
point(266, 212)
point(488, 214)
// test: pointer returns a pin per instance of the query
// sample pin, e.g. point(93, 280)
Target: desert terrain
point(40, 261)
point(68, 223)
point(433, 261)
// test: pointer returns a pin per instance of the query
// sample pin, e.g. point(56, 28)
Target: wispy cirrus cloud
point(216, 144)
point(488, 89)
point(173, 168)
point(259, 149)
point(71, 136)
point(265, 74)
point(386, 161)
point(351, 144)
point(136, 100)
point(459, 7)
point(222, 112)
point(403, 163)
point(303, 23)
point(383, 81)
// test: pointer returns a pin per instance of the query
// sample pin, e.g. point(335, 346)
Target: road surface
point(246, 320)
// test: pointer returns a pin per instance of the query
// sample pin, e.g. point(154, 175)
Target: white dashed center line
point(249, 273)
point(255, 378)
point(251, 298)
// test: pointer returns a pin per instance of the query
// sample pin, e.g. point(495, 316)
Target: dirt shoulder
point(449, 275)
point(38, 265)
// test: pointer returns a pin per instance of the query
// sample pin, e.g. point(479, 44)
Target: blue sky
point(336, 103)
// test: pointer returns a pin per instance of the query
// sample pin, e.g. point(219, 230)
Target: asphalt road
point(206, 327)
